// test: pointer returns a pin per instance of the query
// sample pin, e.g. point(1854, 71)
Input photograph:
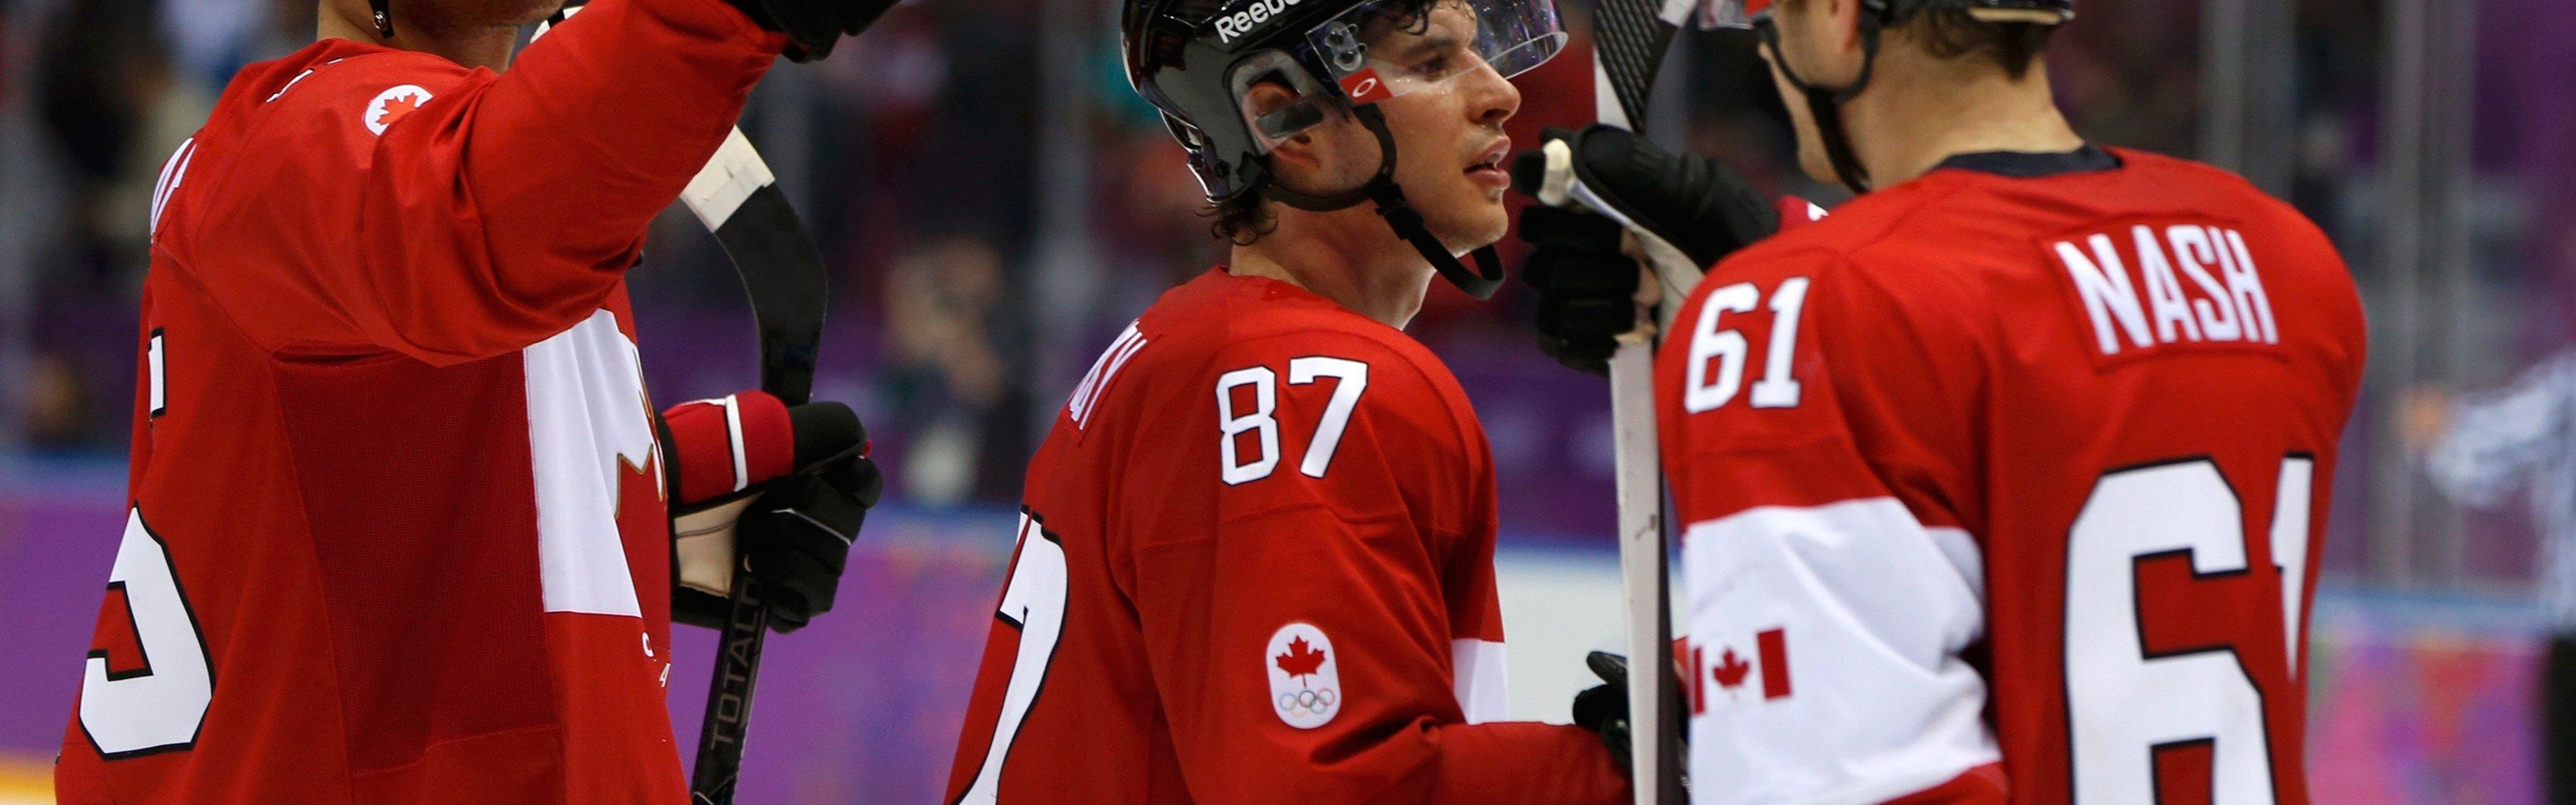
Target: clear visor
point(1730, 13)
point(1385, 48)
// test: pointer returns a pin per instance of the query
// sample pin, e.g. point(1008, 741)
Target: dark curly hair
point(1240, 220)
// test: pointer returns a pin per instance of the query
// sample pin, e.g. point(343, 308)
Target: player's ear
point(1316, 147)
point(1845, 17)
point(1282, 116)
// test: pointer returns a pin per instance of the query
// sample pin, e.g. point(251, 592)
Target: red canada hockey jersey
point(2003, 485)
point(397, 532)
point(1255, 565)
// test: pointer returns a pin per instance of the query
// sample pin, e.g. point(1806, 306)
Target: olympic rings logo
point(1307, 702)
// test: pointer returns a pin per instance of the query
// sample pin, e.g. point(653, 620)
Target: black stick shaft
point(728, 716)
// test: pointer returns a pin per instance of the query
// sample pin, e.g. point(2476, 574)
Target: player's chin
point(1476, 223)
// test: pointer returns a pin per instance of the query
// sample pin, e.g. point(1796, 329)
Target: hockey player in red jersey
point(1255, 556)
point(398, 529)
point(2001, 483)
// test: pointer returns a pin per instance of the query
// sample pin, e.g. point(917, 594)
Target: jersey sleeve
point(1315, 664)
point(397, 201)
point(1813, 426)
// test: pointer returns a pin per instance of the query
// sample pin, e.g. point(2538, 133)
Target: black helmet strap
point(1398, 213)
point(1825, 104)
point(384, 17)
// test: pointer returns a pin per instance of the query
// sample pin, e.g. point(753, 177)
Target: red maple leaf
point(1299, 661)
point(1731, 670)
point(397, 109)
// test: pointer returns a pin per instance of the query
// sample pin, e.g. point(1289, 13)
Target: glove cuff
point(729, 444)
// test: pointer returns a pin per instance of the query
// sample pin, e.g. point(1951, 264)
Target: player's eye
point(1434, 67)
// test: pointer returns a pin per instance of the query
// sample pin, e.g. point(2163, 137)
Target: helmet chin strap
point(1825, 104)
point(1399, 214)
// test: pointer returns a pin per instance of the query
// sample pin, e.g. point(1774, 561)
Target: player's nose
point(1492, 98)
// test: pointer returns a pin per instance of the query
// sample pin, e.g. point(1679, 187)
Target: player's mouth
point(1487, 167)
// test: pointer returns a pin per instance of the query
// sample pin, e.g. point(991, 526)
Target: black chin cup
point(384, 16)
point(1825, 104)
point(1400, 215)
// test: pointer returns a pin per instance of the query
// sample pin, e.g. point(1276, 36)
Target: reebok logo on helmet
point(1232, 26)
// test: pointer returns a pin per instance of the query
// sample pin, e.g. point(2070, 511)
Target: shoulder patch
point(393, 105)
point(1305, 676)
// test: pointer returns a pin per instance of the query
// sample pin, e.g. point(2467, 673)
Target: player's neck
point(1345, 257)
point(1919, 111)
point(471, 46)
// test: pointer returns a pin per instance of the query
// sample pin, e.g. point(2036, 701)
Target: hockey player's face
point(1448, 129)
point(1449, 136)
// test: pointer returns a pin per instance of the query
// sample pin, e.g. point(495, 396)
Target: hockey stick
point(738, 200)
point(1628, 42)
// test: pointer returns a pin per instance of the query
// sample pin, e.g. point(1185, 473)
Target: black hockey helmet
point(1825, 103)
point(1195, 60)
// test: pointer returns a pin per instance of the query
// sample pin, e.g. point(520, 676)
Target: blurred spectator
point(207, 39)
point(2483, 448)
point(944, 376)
point(102, 83)
point(59, 412)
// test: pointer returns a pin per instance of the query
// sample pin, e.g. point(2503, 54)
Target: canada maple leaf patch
point(1734, 671)
point(393, 105)
point(1300, 661)
point(1730, 670)
point(397, 109)
point(1305, 675)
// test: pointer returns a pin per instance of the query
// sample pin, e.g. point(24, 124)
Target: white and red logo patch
point(1729, 671)
point(1305, 676)
point(394, 105)
point(1365, 87)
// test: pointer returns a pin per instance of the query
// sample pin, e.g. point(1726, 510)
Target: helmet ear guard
point(1308, 109)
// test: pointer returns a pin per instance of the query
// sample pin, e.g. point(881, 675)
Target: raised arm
point(399, 201)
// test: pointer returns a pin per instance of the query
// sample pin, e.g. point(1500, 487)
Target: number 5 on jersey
point(1249, 444)
point(148, 694)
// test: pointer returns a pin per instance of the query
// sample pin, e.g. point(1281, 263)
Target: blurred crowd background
point(996, 203)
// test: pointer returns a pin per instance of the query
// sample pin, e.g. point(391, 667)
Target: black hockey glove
point(796, 538)
point(813, 26)
point(1585, 282)
point(1615, 198)
point(792, 531)
point(1603, 708)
